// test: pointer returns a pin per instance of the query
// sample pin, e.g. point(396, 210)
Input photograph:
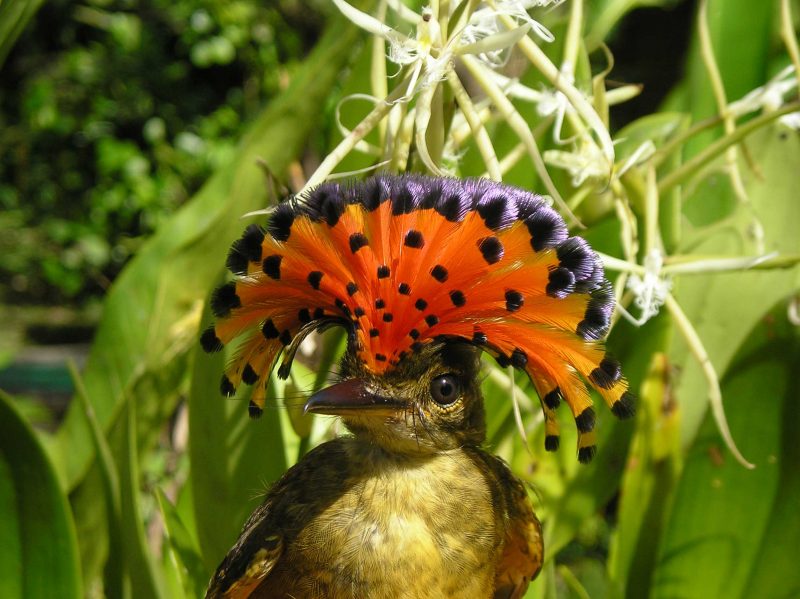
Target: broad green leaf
point(725, 307)
point(38, 546)
point(152, 312)
point(184, 547)
point(653, 466)
point(146, 580)
point(114, 576)
point(740, 35)
point(232, 457)
point(732, 532)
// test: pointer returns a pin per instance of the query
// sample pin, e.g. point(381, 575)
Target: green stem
point(688, 169)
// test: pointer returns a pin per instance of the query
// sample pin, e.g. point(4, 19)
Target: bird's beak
point(351, 397)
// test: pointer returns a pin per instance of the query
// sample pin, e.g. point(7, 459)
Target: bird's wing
point(523, 551)
point(522, 554)
point(249, 561)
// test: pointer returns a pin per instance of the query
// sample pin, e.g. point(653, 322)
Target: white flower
point(769, 96)
point(586, 161)
point(554, 102)
point(791, 120)
point(650, 290)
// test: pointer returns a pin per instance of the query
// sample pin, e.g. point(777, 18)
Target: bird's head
point(430, 402)
point(422, 272)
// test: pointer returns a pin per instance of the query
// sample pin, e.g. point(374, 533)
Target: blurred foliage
point(132, 133)
point(112, 114)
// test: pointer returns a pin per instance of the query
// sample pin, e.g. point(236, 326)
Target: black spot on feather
point(514, 300)
point(439, 273)
point(561, 282)
point(403, 199)
point(281, 221)
point(210, 342)
point(304, 316)
point(272, 266)
point(245, 249)
point(404, 289)
point(380, 304)
point(359, 312)
point(607, 374)
point(249, 375)
point(314, 278)
point(414, 334)
point(519, 358)
point(496, 210)
point(585, 454)
point(585, 420)
point(357, 241)
point(491, 249)
point(324, 203)
point(383, 272)
point(387, 317)
point(431, 320)
point(253, 410)
point(503, 360)
point(597, 317)
point(226, 386)
point(224, 299)
point(269, 330)
point(576, 255)
point(625, 406)
point(373, 332)
point(546, 227)
point(552, 399)
point(414, 239)
point(458, 298)
point(352, 288)
point(421, 304)
point(453, 203)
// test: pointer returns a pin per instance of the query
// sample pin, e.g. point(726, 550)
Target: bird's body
point(383, 525)
point(424, 274)
point(409, 506)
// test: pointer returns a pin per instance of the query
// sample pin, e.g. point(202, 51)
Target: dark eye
point(445, 389)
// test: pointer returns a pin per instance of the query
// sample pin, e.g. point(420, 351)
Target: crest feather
point(403, 260)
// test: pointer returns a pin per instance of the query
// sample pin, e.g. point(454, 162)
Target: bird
point(425, 274)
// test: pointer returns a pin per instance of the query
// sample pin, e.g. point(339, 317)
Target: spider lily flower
point(587, 161)
point(650, 290)
point(768, 97)
point(430, 56)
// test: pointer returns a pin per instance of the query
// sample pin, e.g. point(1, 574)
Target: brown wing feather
point(249, 561)
point(522, 553)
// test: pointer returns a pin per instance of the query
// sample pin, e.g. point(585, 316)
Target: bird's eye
point(445, 389)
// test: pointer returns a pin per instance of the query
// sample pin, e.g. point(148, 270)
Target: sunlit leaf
point(38, 548)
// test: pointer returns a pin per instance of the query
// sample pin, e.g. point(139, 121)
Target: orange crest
point(403, 260)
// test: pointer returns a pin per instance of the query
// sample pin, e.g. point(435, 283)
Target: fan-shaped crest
point(403, 260)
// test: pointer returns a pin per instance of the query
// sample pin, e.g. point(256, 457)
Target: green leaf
point(152, 312)
point(146, 579)
point(650, 476)
point(733, 532)
point(741, 48)
point(14, 16)
point(725, 307)
point(185, 548)
point(232, 458)
point(38, 546)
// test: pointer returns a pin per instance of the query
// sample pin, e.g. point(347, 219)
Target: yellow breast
point(404, 527)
